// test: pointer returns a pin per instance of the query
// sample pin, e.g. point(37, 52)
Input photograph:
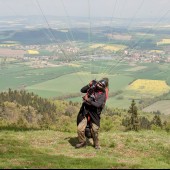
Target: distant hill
point(97, 34)
point(46, 36)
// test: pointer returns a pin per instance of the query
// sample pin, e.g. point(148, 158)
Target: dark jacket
point(94, 106)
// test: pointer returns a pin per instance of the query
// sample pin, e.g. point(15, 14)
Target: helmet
point(106, 81)
point(102, 83)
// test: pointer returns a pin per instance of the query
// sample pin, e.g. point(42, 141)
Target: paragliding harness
point(88, 128)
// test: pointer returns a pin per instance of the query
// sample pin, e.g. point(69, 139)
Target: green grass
point(51, 149)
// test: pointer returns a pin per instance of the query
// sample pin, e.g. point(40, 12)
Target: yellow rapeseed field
point(96, 45)
point(157, 51)
point(32, 52)
point(114, 47)
point(149, 86)
point(163, 41)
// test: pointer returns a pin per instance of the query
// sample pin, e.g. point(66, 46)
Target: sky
point(87, 8)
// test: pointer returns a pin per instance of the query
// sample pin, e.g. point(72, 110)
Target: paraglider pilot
point(88, 118)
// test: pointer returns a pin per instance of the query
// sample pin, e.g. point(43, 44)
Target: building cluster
point(59, 50)
point(51, 48)
point(146, 57)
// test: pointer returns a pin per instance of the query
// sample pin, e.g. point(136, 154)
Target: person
point(89, 114)
point(107, 87)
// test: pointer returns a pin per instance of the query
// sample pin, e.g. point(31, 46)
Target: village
point(66, 52)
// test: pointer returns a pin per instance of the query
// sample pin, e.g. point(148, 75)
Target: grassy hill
point(40, 133)
point(53, 149)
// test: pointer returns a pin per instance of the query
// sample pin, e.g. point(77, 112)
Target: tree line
point(24, 110)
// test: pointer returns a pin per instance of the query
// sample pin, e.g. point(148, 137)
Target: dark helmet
point(106, 81)
point(103, 83)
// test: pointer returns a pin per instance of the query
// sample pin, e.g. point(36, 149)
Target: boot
point(80, 145)
point(96, 142)
point(97, 147)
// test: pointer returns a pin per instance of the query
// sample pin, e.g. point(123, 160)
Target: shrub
point(167, 127)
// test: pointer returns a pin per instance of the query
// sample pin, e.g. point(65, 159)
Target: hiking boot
point(97, 147)
point(80, 145)
point(96, 143)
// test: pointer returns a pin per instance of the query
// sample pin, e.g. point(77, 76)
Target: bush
point(156, 128)
point(106, 124)
point(167, 127)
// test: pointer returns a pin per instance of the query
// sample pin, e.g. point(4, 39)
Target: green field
point(16, 75)
point(68, 79)
point(72, 83)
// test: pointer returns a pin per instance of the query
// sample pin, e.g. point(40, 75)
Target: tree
point(145, 123)
point(134, 120)
point(157, 120)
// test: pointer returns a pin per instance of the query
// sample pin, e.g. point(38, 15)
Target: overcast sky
point(87, 8)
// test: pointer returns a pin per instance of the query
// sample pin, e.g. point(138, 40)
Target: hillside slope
point(52, 149)
point(162, 106)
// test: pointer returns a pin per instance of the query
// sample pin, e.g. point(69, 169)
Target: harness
point(88, 133)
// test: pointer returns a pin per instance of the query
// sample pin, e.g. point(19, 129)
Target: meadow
point(47, 149)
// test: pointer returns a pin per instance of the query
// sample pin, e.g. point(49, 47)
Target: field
point(162, 106)
point(119, 36)
point(68, 79)
point(51, 149)
point(157, 51)
point(5, 52)
point(8, 44)
point(32, 52)
point(114, 47)
point(163, 42)
point(152, 87)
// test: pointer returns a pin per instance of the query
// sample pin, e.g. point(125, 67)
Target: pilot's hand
point(86, 99)
point(92, 83)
